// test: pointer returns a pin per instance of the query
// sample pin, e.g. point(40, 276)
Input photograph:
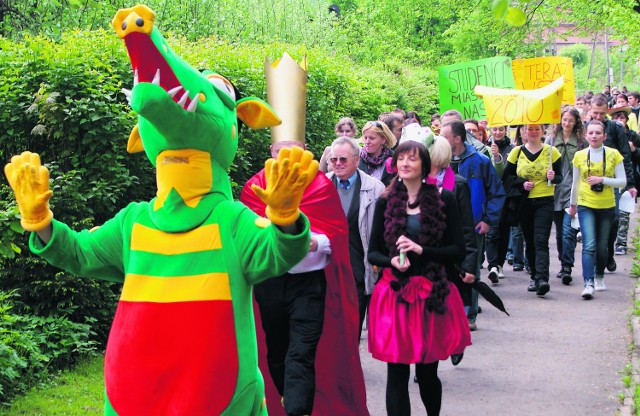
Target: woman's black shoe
point(456, 358)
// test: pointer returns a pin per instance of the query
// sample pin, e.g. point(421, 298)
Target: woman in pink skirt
point(416, 315)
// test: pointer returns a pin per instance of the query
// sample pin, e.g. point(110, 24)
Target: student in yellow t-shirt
point(540, 166)
point(596, 171)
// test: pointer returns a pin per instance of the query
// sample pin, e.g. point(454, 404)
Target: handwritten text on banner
point(534, 73)
point(457, 82)
point(515, 107)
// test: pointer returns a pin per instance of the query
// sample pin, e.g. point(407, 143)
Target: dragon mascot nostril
point(183, 337)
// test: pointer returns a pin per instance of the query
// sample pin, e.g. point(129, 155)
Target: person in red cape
point(340, 386)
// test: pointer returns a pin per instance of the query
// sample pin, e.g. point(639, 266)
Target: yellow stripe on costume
point(199, 287)
point(151, 240)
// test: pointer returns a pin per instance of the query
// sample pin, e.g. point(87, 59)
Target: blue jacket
point(487, 193)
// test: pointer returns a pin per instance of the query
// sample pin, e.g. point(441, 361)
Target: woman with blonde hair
point(377, 142)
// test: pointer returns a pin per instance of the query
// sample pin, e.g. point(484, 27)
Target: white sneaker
point(493, 275)
point(587, 292)
point(600, 284)
point(500, 272)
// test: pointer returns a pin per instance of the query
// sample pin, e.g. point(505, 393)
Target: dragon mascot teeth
point(183, 337)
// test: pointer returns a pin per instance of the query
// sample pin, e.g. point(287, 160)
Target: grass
point(76, 392)
point(626, 378)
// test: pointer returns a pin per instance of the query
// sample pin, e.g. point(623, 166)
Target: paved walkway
point(555, 356)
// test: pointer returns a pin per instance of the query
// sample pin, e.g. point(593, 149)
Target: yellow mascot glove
point(286, 178)
point(30, 183)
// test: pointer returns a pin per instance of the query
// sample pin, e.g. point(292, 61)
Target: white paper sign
point(627, 204)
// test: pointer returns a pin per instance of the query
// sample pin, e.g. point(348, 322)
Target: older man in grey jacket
point(358, 194)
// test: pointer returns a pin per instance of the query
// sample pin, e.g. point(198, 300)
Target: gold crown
point(287, 95)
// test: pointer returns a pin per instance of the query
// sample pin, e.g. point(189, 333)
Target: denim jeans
point(569, 242)
point(558, 217)
point(517, 246)
point(595, 225)
point(536, 220)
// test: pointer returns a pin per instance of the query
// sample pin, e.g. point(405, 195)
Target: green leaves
point(515, 17)
point(76, 4)
point(499, 8)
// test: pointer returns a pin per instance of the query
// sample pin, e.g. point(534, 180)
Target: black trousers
point(536, 220)
point(292, 314)
point(497, 244)
point(363, 303)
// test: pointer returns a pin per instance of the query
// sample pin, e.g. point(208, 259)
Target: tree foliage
point(421, 32)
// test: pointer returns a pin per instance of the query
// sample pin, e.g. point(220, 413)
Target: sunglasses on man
point(342, 159)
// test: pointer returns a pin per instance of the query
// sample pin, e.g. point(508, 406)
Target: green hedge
point(63, 100)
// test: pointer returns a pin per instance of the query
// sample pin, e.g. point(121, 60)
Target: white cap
point(417, 133)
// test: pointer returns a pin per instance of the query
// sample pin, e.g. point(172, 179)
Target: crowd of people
point(426, 208)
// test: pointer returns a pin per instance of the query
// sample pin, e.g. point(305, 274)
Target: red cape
point(339, 380)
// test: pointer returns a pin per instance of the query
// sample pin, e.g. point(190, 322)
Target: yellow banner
point(515, 107)
point(535, 73)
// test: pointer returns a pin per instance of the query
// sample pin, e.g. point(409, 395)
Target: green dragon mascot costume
point(183, 337)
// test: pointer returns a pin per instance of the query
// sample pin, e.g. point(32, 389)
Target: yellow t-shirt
point(587, 197)
point(535, 170)
point(632, 123)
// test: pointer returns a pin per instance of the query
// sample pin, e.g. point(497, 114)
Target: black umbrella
point(489, 295)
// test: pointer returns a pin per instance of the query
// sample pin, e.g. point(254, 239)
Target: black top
point(510, 168)
point(450, 250)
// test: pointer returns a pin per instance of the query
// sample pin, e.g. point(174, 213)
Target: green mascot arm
point(91, 253)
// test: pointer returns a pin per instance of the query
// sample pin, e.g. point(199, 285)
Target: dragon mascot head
point(188, 122)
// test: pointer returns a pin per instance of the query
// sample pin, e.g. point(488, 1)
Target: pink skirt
point(408, 333)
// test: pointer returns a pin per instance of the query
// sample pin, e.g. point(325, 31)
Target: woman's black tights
point(398, 388)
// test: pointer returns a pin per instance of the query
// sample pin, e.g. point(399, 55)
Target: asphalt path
point(558, 355)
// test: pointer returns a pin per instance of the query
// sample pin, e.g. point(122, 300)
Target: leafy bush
point(44, 289)
point(10, 229)
point(33, 346)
